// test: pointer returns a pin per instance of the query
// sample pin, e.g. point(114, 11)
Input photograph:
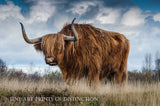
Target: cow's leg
point(123, 72)
point(93, 79)
point(110, 77)
point(124, 78)
point(118, 77)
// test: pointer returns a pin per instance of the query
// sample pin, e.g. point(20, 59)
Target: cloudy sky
point(138, 20)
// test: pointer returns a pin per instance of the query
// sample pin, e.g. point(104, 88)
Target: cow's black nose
point(51, 61)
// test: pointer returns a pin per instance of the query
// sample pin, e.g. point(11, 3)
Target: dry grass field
point(42, 92)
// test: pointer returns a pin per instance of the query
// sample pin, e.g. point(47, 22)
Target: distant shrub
point(143, 76)
point(3, 68)
point(53, 76)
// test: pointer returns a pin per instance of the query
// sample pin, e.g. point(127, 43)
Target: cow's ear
point(38, 47)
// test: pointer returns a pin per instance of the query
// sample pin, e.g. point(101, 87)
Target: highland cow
point(84, 51)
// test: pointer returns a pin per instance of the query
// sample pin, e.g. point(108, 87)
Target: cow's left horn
point(71, 38)
point(30, 41)
point(74, 30)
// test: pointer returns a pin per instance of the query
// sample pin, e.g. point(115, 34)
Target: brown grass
point(133, 94)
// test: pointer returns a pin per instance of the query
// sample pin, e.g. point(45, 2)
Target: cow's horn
point(74, 30)
point(71, 38)
point(30, 41)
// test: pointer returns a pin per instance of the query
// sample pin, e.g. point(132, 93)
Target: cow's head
point(52, 45)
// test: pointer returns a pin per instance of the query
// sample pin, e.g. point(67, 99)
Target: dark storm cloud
point(119, 3)
point(156, 2)
point(91, 12)
point(110, 3)
point(63, 5)
point(152, 5)
point(3, 2)
point(28, 3)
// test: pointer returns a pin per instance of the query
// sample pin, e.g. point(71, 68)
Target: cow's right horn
point(72, 38)
point(30, 41)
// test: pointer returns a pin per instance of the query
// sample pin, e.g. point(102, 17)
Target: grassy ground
point(15, 92)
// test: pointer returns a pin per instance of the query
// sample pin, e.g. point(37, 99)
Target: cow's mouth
point(52, 63)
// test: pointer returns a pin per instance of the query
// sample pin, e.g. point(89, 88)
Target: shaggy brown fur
point(98, 54)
